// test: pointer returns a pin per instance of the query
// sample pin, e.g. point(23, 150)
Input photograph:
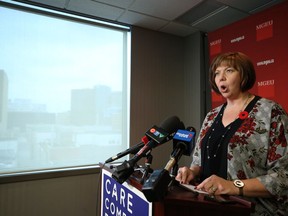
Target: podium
point(128, 199)
point(179, 201)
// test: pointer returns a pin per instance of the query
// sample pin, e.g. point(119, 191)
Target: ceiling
point(178, 17)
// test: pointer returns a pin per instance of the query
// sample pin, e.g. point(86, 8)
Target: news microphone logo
point(157, 134)
point(187, 137)
point(184, 135)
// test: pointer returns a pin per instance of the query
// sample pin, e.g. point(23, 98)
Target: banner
point(264, 38)
point(122, 199)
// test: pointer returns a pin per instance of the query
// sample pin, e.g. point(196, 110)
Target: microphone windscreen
point(190, 128)
point(172, 124)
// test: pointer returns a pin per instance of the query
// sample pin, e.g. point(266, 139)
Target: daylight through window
point(63, 91)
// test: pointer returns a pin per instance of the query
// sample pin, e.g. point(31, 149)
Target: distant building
point(23, 112)
point(88, 106)
point(3, 102)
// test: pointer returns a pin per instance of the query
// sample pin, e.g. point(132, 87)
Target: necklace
point(246, 102)
point(244, 114)
point(209, 146)
point(210, 153)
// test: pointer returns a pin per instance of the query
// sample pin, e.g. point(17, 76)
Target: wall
point(166, 81)
point(71, 196)
point(197, 95)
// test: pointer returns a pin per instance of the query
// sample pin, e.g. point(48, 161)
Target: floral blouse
point(258, 149)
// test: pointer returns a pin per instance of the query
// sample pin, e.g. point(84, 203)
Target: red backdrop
point(264, 38)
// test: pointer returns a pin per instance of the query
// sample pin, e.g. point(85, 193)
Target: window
point(64, 90)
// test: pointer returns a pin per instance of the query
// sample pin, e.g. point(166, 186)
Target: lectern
point(179, 201)
point(128, 199)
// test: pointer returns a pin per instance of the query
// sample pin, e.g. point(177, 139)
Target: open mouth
point(223, 88)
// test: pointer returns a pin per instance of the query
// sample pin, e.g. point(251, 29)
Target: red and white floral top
point(258, 149)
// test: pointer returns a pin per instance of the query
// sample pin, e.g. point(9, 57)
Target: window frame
point(59, 13)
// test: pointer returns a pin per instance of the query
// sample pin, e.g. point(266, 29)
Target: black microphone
point(186, 138)
point(157, 136)
point(183, 144)
point(132, 150)
point(156, 186)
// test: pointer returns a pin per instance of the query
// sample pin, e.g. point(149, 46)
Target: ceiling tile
point(247, 5)
point(178, 29)
point(95, 9)
point(199, 11)
point(165, 9)
point(141, 20)
point(223, 17)
point(121, 4)
point(268, 5)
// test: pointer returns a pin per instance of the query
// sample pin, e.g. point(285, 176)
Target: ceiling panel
point(166, 9)
point(246, 6)
point(118, 3)
point(199, 11)
point(95, 8)
point(222, 17)
point(263, 7)
point(178, 29)
point(142, 20)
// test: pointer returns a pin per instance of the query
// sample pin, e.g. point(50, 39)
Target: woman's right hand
point(185, 174)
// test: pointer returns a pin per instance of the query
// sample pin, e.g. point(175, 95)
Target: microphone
point(156, 186)
point(186, 138)
point(132, 150)
point(183, 144)
point(156, 136)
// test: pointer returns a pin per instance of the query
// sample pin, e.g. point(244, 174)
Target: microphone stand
point(146, 169)
point(125, 170)
point(173, 174)
point(174, 171)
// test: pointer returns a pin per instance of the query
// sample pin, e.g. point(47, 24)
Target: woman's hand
point(186, 175)
point(215, 185)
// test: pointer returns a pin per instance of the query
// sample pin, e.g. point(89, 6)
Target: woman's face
point(228, 81)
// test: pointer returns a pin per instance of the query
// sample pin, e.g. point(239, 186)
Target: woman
point(242, 145)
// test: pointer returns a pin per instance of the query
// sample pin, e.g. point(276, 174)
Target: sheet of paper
point(193, 188)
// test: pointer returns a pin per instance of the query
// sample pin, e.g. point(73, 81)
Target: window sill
point(48, 174)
